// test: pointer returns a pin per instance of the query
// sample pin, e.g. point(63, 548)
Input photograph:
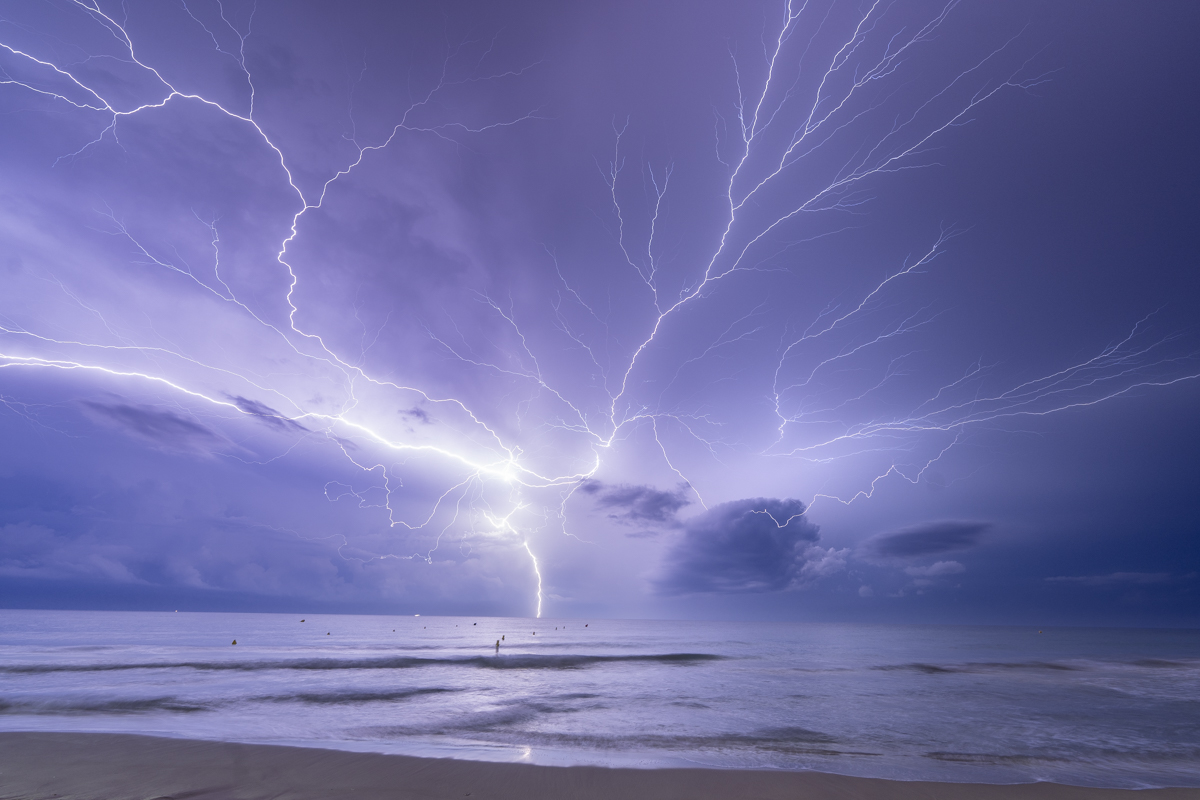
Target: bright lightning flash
point(809, 99)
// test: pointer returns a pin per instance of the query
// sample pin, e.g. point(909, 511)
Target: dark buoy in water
point(474, 623)
point(235, 641)
point(302, 620)
point(585, 624)
point(327, 633)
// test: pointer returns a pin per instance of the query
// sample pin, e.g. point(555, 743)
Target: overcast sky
point(708, 309)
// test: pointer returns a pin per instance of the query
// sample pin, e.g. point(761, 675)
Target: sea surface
point(1098, 707)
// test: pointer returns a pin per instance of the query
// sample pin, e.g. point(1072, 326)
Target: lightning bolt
point(786, 160)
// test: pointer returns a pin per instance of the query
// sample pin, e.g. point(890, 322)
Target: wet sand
point(117, 766)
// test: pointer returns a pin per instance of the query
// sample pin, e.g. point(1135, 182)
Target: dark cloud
point(157, 425)
point(753, 545)
point(418, 414)
point(267, 414)
point(635, 505)
point(927, 539)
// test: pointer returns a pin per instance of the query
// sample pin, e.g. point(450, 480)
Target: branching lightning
point(782, 165)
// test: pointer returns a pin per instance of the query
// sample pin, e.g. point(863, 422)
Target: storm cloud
point(753, 545)
point(636, 505)
point(268, 415)
point(165, 428)
point(927, 539)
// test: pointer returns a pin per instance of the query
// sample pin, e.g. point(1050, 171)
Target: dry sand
point(116, 766)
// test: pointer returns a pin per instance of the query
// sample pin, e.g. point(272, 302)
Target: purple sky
point(725, 309)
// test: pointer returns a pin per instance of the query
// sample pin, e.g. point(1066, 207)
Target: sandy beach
point(117, 766)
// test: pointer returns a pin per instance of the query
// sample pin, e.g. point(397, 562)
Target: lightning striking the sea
point(479, 399)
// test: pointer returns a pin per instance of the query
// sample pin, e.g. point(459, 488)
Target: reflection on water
point(1086, 706)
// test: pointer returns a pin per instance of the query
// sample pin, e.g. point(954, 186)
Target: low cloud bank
point(637, 504)
point(752, 545)
point(927, 539)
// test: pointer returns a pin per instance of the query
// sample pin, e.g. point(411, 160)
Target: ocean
point(1087, 706)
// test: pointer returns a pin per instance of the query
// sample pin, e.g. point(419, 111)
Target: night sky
point(821, 311)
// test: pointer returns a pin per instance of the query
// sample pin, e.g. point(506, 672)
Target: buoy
point(474, 623)
point(585, 624)
point(327, 633)
point(302, 620)
point(235, 641)
point(535, 633)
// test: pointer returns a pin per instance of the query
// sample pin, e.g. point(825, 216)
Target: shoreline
point(117, 766)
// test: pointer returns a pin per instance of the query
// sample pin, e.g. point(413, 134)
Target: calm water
point(1104, 707)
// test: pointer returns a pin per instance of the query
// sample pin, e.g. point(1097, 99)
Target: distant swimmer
point(502, 638)
point(497, 647)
